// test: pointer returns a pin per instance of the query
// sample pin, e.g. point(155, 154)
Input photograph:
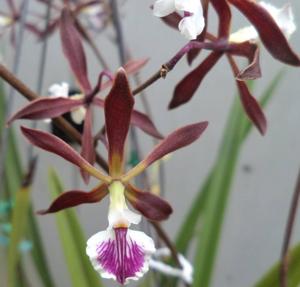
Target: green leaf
point(271, 278)
point(19, 223)
point(13, 177)
point(73, 242)
point(218, 191)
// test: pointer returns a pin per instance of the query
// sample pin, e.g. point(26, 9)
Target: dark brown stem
point(60, 122)
point(288, 234)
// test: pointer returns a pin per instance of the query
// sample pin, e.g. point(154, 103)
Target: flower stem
point(288, 234)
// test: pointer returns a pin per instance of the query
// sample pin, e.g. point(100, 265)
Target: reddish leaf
point(74, 198)
point(134, 66)
point(87, 148)
point(269, 32)
point(251, 106)
point(187, 87)
point(57, 146)
point(151, 206)
point(176, 140)
point(118, 108)
point(73, 50)
point(45, 108)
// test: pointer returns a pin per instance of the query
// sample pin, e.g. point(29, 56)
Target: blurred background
point(267, 170)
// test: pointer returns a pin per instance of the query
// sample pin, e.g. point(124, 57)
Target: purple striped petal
point(120, 254)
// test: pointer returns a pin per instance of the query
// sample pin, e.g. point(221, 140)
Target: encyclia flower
point(81, 105)
point(118, 252)
point(192, 23)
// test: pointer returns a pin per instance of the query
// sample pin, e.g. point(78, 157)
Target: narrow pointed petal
point(120, 254)
point(118, 108)
point(45, 108)
point(223, 10)
point(140, 120)
point(73, 50)
point(57, 146)
point(176, 140)
point(251, 106)
point(269, 32)
point(187, 87)
point(150, 205)
point(87, 148)
point(143, 122)
point(76, 197)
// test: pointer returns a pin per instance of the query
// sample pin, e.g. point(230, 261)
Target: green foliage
point(271, 278)
point(73, 242)
point(210, 203)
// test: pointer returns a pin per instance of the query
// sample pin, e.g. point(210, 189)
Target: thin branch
point(288, 234)
point(41, 70)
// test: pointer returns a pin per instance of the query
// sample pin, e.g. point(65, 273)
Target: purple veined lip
point(121, 256)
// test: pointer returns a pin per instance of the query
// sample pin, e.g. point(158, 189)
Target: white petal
point(59, 90)
point(120, 254)
point(78, 115)
point(191, 6)
point(162, 8)
point(192, 26)
point(245, 34)
point(185, 273)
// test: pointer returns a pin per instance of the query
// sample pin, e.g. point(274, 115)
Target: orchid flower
point(283, 17)
point(118, 252)
point(192, 23)
point(81, 104)
point(275, 41)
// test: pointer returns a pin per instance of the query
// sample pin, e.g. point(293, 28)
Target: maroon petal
point(143, 122)
point(46, 108)
point(269, 32)
point(251, 106)
point(73, 50)
point(223, 10)
point(138, 119)
point(118, 108)
point(176, 140)
point(187, 87)
point(87, 148)
point(251, 51)
point(150, 205)
point(74, 198)
point(57, 146)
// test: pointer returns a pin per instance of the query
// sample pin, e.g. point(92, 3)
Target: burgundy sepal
point(46, 108)
point(187, 87)
point(150, 205)
point(74, 198)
